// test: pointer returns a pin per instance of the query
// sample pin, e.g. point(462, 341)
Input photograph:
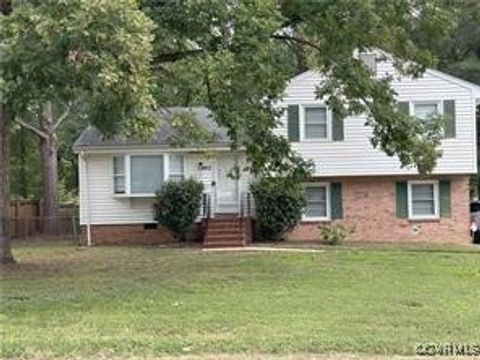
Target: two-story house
point(353, 183)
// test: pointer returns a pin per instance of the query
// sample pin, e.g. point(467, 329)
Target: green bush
point(279, 204)
point(334, 234)
point(177, 205)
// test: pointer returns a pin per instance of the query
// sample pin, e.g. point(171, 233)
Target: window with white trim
point(423, 200)
point(315, 123)
point(119, 185)
point(317, 201)
point(176, 167)
point(138, 175)
point(425, 111)
point(146, 173)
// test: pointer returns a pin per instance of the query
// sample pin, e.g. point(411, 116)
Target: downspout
point(237, 179)
point(86, 197)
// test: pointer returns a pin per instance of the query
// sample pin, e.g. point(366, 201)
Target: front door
point(227, 188)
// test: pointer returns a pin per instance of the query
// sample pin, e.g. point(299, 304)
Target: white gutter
point(86, 197)
point(153, 149)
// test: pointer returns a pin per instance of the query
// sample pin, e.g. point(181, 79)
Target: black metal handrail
point(246, 204)
point(206, 208)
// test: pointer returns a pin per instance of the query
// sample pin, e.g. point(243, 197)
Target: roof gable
point(455, 80)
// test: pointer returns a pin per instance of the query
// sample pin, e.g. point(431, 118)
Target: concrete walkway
point(265, 248)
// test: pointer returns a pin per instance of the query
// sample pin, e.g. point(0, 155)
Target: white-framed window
point(146, 174)
point(425, 110)
point(315, 123)
point(318, 201)
point(143, 174)
point(119, 177)
point(176, 167)
point(423, 200)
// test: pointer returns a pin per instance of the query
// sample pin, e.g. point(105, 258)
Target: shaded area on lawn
point(67, 301)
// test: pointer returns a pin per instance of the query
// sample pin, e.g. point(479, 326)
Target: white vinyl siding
point(315, 125)
point(355, 156)
point(318, 202)
point(423, 200)
point(105, 207)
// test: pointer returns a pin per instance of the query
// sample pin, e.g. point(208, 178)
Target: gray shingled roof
point(163, 137)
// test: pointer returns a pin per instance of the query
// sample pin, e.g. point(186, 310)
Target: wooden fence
point(26, 220)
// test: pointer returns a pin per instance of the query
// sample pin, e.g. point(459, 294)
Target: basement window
point(150, 226)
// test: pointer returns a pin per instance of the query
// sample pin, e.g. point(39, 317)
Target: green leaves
point(98, 52)
point(350, 89)
point(236, 57)
point(233, 56)
point(189, 131)
point(178, 205)
point(279, 204)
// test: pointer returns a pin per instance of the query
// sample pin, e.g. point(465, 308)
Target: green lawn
point(66, 301)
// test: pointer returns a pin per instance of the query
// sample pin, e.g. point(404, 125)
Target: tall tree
point(5, 119)
point(97, 53)
point(459, 54)
point(239, 55)
point(45, 125)
point(25, 164)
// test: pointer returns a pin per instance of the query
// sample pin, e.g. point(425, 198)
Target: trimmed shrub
point(279, 204)
point(177, 205)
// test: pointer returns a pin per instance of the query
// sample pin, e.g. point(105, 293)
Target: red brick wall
point(126, 235)
point(369, 206)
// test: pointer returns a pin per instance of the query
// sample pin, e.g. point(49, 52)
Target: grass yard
point(63, 301)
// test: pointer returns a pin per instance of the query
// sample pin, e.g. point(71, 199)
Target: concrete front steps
point(227, 231)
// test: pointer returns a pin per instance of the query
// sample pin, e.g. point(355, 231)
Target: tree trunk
point(48, 149)
point(5, 249)
point(23, 188)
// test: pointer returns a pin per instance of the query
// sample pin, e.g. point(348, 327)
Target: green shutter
point(338, 132)
point(402, 200)
point(336, 201)
point(404, 107)
point(445, 199)
point(293, 123)
point(450, 122)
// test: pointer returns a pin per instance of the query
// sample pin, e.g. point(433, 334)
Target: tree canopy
point(54, 54)
point(237, 56)
point(94, 52)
